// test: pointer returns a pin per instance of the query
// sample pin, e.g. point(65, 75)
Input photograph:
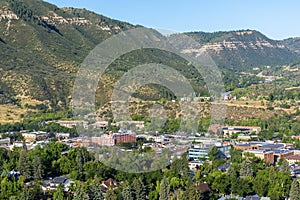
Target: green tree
point(59, 194)
point(37, 168)
point(111, 195)
point(95, 192)
point(180, 166)
point(213, 153)
point(235, 155)
point(261, 182)
point(246, 168)
point(283, 165)
point(164, 192)
point(24, 164)
point(193, 193)
point(27, 194)
point(127, 192)
point(139, 189)
point(80, 194)
point(295, 190)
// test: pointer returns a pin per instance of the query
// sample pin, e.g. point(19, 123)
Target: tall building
point(114, 139)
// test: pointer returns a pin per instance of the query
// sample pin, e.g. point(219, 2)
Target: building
point(193, 165)
point(100, 125)
point(283, 153)
point(198, 153)
point(5, 142)
point(293, 159)
point(72, 124)
point(113, 139)
point(62, 135)
point(109, 183)
point(29, 137)
point(137, 125)
point(267, 156)
point(201, 152)
point(231, 130)
point(245, 146)
point(270, 146)
point(56, 182)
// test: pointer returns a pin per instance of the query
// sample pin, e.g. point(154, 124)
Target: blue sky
point(277, 19)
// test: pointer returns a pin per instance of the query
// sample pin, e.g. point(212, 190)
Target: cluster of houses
point(66, 183)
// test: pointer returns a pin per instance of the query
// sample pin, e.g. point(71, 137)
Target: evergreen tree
point(110, 195)
point(80, 162)
point(139, 189)
point(95, 192)
point(24, 164)
point(27, 194)
point(193, 193)
point(37, 168)
point(283, 165)
point(164, 191)
point(127, 193)
point(180, 166)
point(295, 190)
point(80, 194)
point(246, 168)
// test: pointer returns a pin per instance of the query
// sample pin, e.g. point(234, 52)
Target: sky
point(277, 19)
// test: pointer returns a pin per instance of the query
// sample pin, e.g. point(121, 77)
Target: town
point(201, 150)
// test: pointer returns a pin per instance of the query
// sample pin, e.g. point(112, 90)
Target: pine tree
point(164, 191)
point(110, 195)
point(80, 162)
point(127, 193)
point(95, 192)
point(27, 194)
point(37, 168)
point(193, 193)
point(139, 189)
point(246, 168)
point(80, 194)
point(294, 192)
point(24, 165)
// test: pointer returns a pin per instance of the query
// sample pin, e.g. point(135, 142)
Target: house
point(230, 197)
point(62, 135)
point(109, 183)
point(254, 197)
point(224, 168)
point(56, 182)
point(193, 165)
point(14, 175)
point(5, 142)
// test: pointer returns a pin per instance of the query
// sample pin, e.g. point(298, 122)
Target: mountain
point(42, 47)
point(245, 49)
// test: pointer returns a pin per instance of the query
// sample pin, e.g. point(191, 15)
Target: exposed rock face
point(7, 14)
